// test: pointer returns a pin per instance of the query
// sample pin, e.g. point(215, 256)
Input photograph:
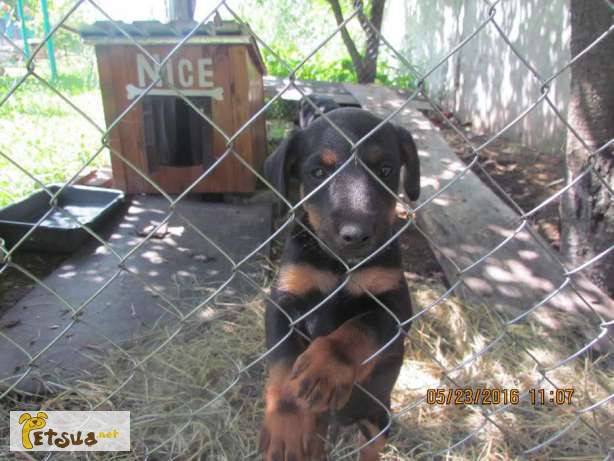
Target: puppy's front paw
point(291, 433)
point(323, 375)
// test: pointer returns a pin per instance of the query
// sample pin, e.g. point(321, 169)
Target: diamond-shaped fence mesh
point(193, 377)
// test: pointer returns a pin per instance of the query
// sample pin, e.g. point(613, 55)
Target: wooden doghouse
point(219, 69)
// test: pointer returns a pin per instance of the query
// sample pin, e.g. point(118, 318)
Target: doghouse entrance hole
point(175, 134)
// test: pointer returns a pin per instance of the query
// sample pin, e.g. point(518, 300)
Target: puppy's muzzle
point(354, 235)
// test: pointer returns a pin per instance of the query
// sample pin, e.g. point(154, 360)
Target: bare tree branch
point(181, 10)
point(345, 35)
point(365, 65)
point(371, 28)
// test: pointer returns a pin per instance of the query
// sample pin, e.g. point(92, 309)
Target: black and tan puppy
point(307, 112)
point(353, 216)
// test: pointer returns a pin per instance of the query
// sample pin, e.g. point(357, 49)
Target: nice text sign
point(181, 72)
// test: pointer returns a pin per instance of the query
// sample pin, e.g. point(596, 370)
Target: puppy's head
point(352, 214)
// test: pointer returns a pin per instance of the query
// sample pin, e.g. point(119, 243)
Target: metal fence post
point(24, 29)
point(50, 47)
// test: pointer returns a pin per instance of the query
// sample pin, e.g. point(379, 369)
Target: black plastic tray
point(58, 232)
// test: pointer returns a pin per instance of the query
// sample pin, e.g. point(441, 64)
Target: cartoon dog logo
point(31, 424)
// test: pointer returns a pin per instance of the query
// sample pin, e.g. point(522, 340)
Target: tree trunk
point(180, 10)
point(368, 69)
point(364, 66)
point(587, 209)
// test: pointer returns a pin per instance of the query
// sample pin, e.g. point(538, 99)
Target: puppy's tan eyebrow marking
point(329, 157)
point(375, 279)
point(299, 279)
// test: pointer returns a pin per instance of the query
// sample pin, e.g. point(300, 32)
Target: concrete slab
point(159, 284)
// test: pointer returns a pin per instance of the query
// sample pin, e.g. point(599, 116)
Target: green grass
point(43, 134)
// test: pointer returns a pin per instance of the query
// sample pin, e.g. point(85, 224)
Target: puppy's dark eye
point(385, 171)
point(319, 173)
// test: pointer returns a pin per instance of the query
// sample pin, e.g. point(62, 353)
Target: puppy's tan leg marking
point(289, 432)
point(371, 452)
point(323, 375)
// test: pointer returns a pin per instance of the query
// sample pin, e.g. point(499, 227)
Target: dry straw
point(192, 370)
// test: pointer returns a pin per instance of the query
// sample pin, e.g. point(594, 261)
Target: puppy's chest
point(348, 296)
point(334, 312)
point(302, 279)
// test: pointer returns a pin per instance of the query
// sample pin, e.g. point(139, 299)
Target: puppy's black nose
point(353, 234)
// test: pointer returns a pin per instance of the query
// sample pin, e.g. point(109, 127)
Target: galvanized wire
point(237, 272)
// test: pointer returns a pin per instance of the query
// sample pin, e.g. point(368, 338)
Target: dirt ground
point(528, 176)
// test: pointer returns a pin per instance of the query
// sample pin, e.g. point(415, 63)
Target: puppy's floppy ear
point(409, 156)
point(24, 417)
point(279, 164)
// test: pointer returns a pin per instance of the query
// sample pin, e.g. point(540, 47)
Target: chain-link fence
point(200, 430)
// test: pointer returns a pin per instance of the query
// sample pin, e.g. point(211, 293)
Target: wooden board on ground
point(335, 91)
point(468, 220)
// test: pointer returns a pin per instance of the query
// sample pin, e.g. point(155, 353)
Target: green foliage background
point(299, 27)
point(52, 141)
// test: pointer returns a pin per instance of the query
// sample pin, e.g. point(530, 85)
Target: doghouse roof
point(157, 33)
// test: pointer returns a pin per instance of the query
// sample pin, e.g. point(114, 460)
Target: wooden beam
point(336, 91)
point(468, 221)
